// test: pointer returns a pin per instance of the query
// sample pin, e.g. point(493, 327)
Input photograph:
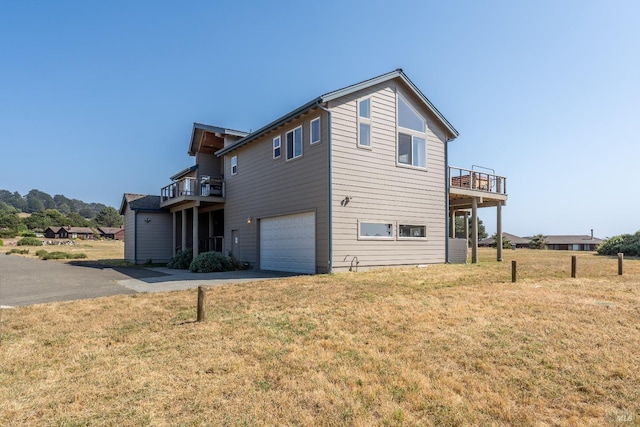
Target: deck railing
point(476, 180)
point(193, 187)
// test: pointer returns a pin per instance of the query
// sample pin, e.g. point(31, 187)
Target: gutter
point(320, 106)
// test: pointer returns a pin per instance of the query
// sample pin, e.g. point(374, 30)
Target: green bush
point(59, 255)
point(18, 251)
point(209, 262)
point(40, 253)
point(182, 260)
point(28, 234)
point(1, 242)
point(236, 264)
point(29, 241)
point(628, 244)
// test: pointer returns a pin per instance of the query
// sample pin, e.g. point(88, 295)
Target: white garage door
point(288, 243)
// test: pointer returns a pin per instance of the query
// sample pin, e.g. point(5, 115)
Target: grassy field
point(108, 251)
point(442, 345)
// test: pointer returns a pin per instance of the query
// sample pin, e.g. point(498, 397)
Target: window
point(294, 143)
point(375, 230)
point(364, 122)
point(276, 147)
point(315, 130)
point(234, 165)
point(412, 231)
point(412, 143)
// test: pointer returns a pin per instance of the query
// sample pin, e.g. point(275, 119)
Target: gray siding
point(153, 239)
point(209, 164)
point(382, 191)
point(265, 187)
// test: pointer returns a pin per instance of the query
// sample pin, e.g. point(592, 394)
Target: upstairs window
point(315, 130)
point(276, 147)
point(294, 143)
point(412, 141)
point(234, 165)
point(364, 122)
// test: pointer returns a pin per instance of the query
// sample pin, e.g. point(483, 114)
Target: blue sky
point(98, 98)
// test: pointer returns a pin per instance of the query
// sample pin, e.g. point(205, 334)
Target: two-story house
point(356, 178)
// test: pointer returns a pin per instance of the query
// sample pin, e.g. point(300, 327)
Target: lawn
point(110, 252)
point(441, 345)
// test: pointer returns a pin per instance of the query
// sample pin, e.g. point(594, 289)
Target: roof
point(184, 172)
point(110, 230)
point(85, 230)
point(141, 202)
point(512, 238)
point(198, 128)
point(338, 94)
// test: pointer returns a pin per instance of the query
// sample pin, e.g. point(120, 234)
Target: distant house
point(114, 233)
point(580, 242)
point(76, 233)
point(69, 233)
point(148, 229)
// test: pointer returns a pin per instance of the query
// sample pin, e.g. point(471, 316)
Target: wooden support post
point(201, 303)
point(620, 259)
point(514, 271)
point(574, 262)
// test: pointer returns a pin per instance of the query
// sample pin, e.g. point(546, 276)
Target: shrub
point(29, 241)
point(40, 253)
point(18, 251)
point(182, 260)
point(1, 242)
point(59, 255)
point(28, 234)
point(209, 262)
point(628, 244)
point(236, 264)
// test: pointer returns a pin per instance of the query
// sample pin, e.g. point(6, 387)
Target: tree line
point(47, 211)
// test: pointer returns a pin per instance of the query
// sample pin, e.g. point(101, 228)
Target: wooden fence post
point(201, 303)
point(620, 259)
point(514, 271)
point(574, 262)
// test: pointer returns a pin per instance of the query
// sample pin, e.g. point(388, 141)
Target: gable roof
point(199, 128)
point(110, 230)
point(398, 73)
point(512, 238)
point(141, 202)
point(579, 239)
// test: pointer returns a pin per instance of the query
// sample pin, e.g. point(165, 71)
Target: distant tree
point(39, 221)
point(506, 243)
point(109, 217)
point(38, 200)
point(76, 220)
point(482, 233)
point(628, 244)
point(9, 223)
point(538, 242)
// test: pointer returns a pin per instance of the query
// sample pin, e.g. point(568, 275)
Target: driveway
point(26, 281)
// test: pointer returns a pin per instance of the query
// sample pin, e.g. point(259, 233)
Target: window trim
point(412, 224)
point(279, 147)
point(317, 119)
point(412, 134)
point(293, 144)
point(363, 121)
point(234, 165)
point(387, 238)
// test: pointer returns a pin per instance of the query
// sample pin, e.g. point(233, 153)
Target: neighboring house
point(147, 229)
point(52, 232)
point(355, 178)
point(516, 242)
point(114, 233)
point(75, 233)
point(573, 242)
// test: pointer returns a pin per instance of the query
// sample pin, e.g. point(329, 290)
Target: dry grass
point(443, 345)
point(107, 251)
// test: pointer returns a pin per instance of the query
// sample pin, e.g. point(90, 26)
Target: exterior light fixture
point(249, 220)
point(147, 220)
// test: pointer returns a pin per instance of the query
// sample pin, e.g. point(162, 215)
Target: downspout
point(446, 201)
point(330, 213)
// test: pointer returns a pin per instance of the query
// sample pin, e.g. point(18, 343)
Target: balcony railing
point(205, 186)
point(476, 180)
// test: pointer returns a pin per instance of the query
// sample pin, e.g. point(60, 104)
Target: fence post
point(620, 259)
point(201, 303)
point(514, 271)
point(574, 262)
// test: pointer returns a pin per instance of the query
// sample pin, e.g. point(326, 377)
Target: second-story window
point(276, 147)
point(364, 122)
point(234, 165)
point(294, 143)
point(412, 137)
point(315, 130)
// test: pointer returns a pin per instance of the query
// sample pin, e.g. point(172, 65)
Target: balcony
point(204, 189)
point(466, 184)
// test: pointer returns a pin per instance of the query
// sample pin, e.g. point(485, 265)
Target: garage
point(288, 243)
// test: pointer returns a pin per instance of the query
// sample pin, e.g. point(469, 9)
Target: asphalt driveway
point(26, 281)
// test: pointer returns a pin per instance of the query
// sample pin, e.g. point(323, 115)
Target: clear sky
point(98, 98)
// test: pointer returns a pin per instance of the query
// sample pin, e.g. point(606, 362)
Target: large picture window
point(412, 142)
point(294, 143)
point(375, 230)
